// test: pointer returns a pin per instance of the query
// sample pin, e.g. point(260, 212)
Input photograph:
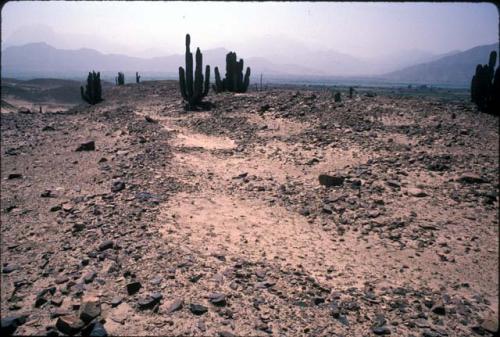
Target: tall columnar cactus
point(485, 86)
point(120, 80)
point(137, 77)
point(234, 80)
point(193, 90)
point(93, 92)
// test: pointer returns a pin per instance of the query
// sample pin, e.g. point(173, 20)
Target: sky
point(158, 28)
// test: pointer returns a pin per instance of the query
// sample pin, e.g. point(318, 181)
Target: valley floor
point(221, 218)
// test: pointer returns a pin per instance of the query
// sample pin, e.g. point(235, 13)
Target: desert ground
point(217, 223)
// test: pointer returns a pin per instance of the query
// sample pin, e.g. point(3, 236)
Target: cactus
point(92, 93)
point(137, 77)
point(120, 80)
point(234, 80)
point(485, 86)
point(336, 97)
point(351, 91)
point(193, 92)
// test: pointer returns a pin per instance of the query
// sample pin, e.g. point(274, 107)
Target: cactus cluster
point(137, 77)
point(193, 90)
point(93, 90)
point(234, 80)
point(120, 79)
point(485, 86)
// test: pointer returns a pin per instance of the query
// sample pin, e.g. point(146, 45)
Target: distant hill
point(41, 59)
point(457, 68)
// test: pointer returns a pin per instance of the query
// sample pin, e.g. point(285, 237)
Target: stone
point(90, 309)
point(90, 277)
point(98, 330)
point(69, 324)
point(106, 245)
point(198, 309)
point(133, 287)
point(78, 227)
point(40, 300)
point(14, 176)
point(148, 302)
point(217, 299)
point(416, 192)
point(117, 186)
point(439, 309)
point(87, 146)
point(470, 178)
point(10, 324)
point(175, 306)
point(381, 330)
point(55, 208)
point(490, 323)
point(61, 279)
point(328, 180)
point(9, 268)
point(116, 301)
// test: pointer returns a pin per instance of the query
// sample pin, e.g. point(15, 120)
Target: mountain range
point(456, 67)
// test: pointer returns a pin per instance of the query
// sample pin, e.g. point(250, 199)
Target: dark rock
point(55, 208)
point(198, 309)
point(90, 309)
point(9, 324)
point(69, 324)
point(40, 301)
point(381, 330)
point(78, 227)
point(117, 186)
point(98, 331)
point(9, 268)
point(106, 245)
point(176, 305)
point(150, 301)
point(150, 120)
point(46, 194)
point(14, 176)
point(133, 287)
point(319, 300)
point(439, 309)
point(470, 178)
point(195, 278)
point(328, 181)
point(265, 108)
point(48, 128)
point(87, 146)
point(217, 299)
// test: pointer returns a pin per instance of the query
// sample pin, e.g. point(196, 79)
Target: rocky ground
point(276, 213)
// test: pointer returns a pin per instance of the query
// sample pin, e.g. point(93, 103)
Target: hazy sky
point(360, 29)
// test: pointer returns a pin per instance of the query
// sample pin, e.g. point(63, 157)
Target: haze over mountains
point(42, 60)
